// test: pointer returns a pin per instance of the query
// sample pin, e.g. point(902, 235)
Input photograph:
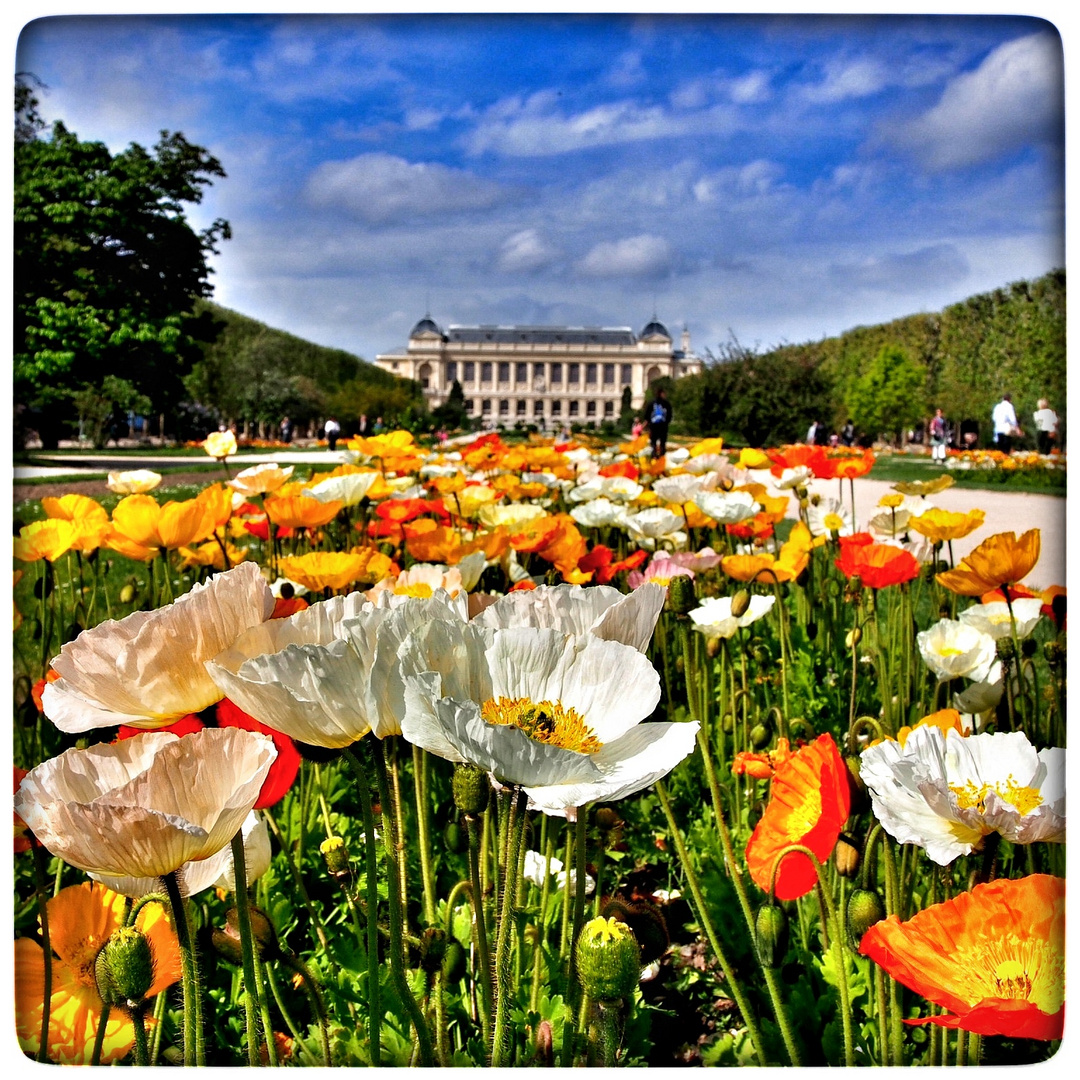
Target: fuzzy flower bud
point(739, 604)
point(124, 968)
point(771, 934)
point(864, 908)
point(681, 596)
point(336, 856)
point(470, 786)
point(847, 856)
point(608, 959)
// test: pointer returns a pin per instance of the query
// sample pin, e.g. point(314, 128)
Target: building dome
point(426, 325)
point(655, 329)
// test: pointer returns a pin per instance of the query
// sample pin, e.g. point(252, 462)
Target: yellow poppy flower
point(216, 502)
point(300, 512)
point(925, 487)
point(81, 919)
point(1001, 559)
point(88, 516)
point(220, 444)
point(707, 446)
point(470, 499)
point(938, 526)
point(635, 446)
point(320, 570)
point(47, 539)
point(210, 554)
point(749, 458)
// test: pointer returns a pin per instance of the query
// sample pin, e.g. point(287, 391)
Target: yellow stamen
point(971, 795)
point(544, 722)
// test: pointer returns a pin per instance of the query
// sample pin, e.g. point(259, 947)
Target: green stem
point(99, 1038)
point(194, 1052)
point(247, 951)
point(706, 925)
point(40, 856)
point(318, 1006)
point(500, 1042)
point(573, 987)
point(479, 920)
point(421, 773)
point(142, 1049)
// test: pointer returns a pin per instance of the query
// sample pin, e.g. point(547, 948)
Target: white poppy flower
point(727, 507)
point(655, 523)
point(537, 869)
point(713, 617)
point(827, 517)
point(349, 489)
point(994, 619)
point(420, 580)
point(620, 488)
point(679, 489)
point(133, 482)
point(945, 792)
point(600, 610)
point(560, 716)
point(677, 456)
point(259, 479)
point(511, 516)
point(797, 476)
point(146, 670)
point(597, 512)
point(954, 650)
point(143, 807)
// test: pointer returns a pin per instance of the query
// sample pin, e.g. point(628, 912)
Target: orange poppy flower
point(809, 804)
point(995, 957)
point(47, 539)
point(1001, 559)
point(74, 508)
point(749, 567)
point(621, 468)
point(139, 520)
point(635, 446)
point(566, 549)
point(846, 467)
point(300, 511)
point(791, 457)
point(81, 918)
point(216, 502)
point(877, 565)
point(536, 534)
point(939, 526)
point(286, 606)
point(320, 570)
point(761, 766)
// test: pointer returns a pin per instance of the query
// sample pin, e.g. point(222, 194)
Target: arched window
point(424, 375)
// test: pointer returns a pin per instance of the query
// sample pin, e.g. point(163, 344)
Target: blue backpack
point(659, 414)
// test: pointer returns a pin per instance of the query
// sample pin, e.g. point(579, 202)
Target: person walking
point(1006, 425)
point(1046, 426)
point(939, 436)
point(332, 429)
point(659, 421)
point(286, 429)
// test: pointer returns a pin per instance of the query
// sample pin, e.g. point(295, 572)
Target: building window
point(556, 373)
point(451, 371)
point(504, 371)
point(538, 371)
point(573, 408)
point(425, 375)
point(627, 374)
point(470, 371)
point(538, 408)
point(485, 408)
point(522, 406)
point(485, 371)
point(504, 407)
point(556, 408)
point(395, 365)
point(470, 405)
point(573, 373)
point(590, 408)
point(609, 374)
point(522, 373)
point(609, 408)
point(590, 374)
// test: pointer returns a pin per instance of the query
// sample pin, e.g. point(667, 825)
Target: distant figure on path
point(364, 429)
point(659, 421)
point(1005, 424)
point(939, 436)
point(286, 429)
point(332, 429)
point(847, 433)
point(1046, 426)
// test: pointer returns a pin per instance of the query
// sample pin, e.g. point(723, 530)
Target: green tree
point(891, 395)
point(106, 266)
point(451, 414)
point(97, 405)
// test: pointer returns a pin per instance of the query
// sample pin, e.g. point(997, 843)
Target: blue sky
point(776, 177)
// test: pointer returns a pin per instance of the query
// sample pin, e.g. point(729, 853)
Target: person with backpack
point(939, 436)
point(659, 420)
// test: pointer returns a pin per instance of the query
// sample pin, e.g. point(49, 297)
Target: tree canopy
point(107, 266)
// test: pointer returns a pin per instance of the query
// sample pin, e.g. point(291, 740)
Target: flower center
point(947, 651)
point(81, 960)
point(833, 522)
point(1012, 980)
point(544, 722)
point(973, 795)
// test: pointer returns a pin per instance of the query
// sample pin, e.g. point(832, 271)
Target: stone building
point(547, 375)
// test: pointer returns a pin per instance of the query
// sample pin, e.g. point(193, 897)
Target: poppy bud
point(1054, 653)
point(127, 594)
point(680, 664)
point(759, 735)
point(470, 785)
point(262, 929)
point(454, 838)
point(608, 959)
point(859, 798)
point(771, 934)
point(847, 856)
point(545, 1045)
point(761, 654)
point(124, 968)
point(864, 908)
point(454, 961)
point(1028, 646)
point(854, 636)
point(815, 499)
point(728, 723)
point(433, 946)
point(739, 603)
point(336, 856)
point(681, 596)
point(1006, 650)
point(287, 591)
point(606, 819)
point(712, 648)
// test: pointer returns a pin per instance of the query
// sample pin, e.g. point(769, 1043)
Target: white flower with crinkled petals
point(679, 489)
point(620, 488)
point(597, 513)
point(558, 715)
point(796, 476)
point(146, 670)
point(713, 617)
point(945, 792)
point(727, 507)
point(954, 650)
point(828, 517)
point(994, 618)
point(511, 516)
point(656, 524)
point(349, 489)
point(537, 870)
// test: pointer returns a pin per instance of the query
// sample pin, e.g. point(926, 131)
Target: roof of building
point(426, 325)
point(654, 328)
point(542, 335)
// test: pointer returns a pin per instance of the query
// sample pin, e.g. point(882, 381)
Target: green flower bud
point(759, 736)
point(771, 934)
point(646, 922)
point(864, 908)
point(606, 819)
point(608, 959)
point(1055, 653)
point(454, 961)
point(740, 602)
point(681, 597)
point(124, 968)
point(262, 929)
point(336, 856)
point(454, 837)
point(800, 728)
point(433, 946)
point(1006, 649)
point(854, 636)
point(728, 723)
point(127, 594)
point(471, 787)
point(847, 856)
point(1028, 646)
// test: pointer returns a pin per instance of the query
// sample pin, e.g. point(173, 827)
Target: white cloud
point(751, 88)
point(526, 252)
point(1014, 97)
point(847, 79)
point(737, 182)
point(627, 71)
point(422, 119)
point(936, 265)
point(635, 256)
point(382, 188)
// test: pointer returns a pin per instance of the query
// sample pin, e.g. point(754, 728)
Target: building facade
point(546, 375)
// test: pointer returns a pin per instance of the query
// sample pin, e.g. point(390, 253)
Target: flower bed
point(536, 754)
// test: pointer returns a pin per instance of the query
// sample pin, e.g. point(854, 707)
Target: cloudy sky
point(780, 178)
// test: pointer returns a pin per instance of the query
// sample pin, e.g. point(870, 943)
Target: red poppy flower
point(792, 457)
point(809, 803)
point(526, 585)
point(260, 529)
point(621, 468)
point(283, 607)
point(878, 565)
point(287, 763)
point(35, 691)
point(847, 466)
point(995, 957)
point(186, 725)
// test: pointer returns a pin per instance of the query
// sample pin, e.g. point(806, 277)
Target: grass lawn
point(895, 468)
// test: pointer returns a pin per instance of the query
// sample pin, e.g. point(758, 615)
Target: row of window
point(521, 408)
point(554, 374)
